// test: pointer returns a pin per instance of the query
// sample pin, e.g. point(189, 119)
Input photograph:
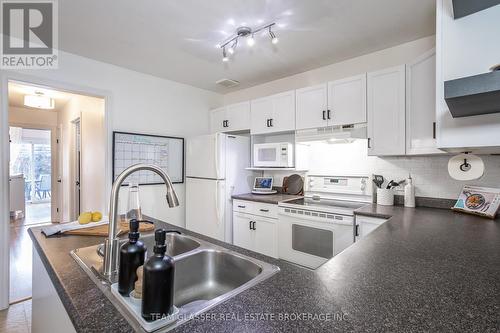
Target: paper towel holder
point(465, 166)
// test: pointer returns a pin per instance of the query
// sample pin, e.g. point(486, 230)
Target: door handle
point(369, 143)
point(271, 122)
point(324, 115)
point(250, 225)
point(357, 230)
point(264, 210)
point(227, 123)
point(434, 130)
point(253, 227)
point(77, 183)
point(240, 206)
point(59, 181)
point(223, 123)
point(267, 122)
point(328, 114)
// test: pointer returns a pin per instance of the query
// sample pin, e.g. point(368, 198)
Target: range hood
point(333, 134)
point(473, 95)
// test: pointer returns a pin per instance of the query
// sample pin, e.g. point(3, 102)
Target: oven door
point(267, 155)
point(306, 242)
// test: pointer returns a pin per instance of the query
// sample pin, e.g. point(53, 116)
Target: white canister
point(385, 196)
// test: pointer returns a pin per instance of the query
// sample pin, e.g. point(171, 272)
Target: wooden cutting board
point(102, 230)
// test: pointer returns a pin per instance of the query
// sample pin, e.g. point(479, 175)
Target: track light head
point(274, 39)
point(251, 41)
point(225, 58)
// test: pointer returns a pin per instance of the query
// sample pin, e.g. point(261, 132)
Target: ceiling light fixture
point(39, 101)
point(245, 32)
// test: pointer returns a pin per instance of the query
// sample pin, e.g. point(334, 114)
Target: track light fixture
point(245, 32)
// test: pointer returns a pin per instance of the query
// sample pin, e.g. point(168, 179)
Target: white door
point(283, 116)
point(311, 103)
point(421, 105)
point(261, 112)
point(347, 101)
point(243, 235)
point(386, 112)
point(205, 201)
point(205, 156)
point(266, 236)
point(217, 120)
point(238, 117)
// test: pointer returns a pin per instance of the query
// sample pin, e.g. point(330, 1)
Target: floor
point(21, 247)
point(16, 319)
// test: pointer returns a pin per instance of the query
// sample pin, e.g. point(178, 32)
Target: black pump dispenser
point(132, 256)
point(158, 281)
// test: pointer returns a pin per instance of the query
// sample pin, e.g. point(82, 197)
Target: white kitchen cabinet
point(347, 101)
point(217, 120)
point(234, 117)
point(312, 104)
point(243, 234)
point(265, 230)
point(274, 113)
point(255, 227)
point(421, 105)
point(366, 224)
point(386, 112)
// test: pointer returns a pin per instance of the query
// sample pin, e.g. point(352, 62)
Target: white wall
point(429, 173)
point(35, 117)
point(464, 47)
point(90, 110)
point(138, 103)
point(370, 62)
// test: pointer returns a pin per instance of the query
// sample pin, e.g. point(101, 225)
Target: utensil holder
point(385, 197)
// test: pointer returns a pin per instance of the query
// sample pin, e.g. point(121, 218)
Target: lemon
point(85, 218)
point(96, 216)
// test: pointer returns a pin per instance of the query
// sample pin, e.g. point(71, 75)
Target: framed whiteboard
point(164, 151)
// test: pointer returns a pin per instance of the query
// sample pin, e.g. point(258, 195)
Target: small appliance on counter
point(273, 155)
point(263, 185)
point(483, 201)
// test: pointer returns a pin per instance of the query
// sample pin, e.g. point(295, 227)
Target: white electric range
point(314, 229)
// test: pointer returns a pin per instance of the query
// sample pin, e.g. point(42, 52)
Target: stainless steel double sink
point(205, 275)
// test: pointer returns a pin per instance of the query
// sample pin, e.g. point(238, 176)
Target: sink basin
point(176, 244)
point(205, 275)
point(208, 274)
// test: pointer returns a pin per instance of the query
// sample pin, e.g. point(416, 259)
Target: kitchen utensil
point(293, 184)
point(393, 184)
point(378, 180)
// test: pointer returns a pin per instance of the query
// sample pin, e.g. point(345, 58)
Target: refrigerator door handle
point(217, 156)
point(217, 210)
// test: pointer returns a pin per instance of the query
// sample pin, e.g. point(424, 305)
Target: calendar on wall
point(165, 151)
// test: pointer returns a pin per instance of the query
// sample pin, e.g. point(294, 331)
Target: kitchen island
point(423, 270)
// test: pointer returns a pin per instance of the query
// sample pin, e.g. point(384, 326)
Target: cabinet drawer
point(265, 210)
point(242, 206)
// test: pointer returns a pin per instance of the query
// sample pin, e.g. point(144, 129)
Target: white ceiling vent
point(228, 83)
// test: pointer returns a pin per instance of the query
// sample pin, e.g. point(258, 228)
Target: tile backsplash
point(430, 173)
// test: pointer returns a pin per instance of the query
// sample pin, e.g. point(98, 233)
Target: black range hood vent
point(473, 95)
point(463, 8)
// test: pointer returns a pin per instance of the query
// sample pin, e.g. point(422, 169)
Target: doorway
point(31, 174)
point(53, 147)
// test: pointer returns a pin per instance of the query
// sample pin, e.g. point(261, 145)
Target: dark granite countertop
point(423, 270)
point(267, 198)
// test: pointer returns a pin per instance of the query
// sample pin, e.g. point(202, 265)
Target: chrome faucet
point(112, 243)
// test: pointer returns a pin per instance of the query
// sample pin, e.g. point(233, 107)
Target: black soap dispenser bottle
point(132, 256)
point(158, 281)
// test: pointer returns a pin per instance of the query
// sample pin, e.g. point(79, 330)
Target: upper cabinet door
point(386, 112)
point(274, 113)
point(238, 116)
point(217, 120)
point(347, 101)
point(261, 112)
point(311, 103)
point(283, 116)
point(421, 105)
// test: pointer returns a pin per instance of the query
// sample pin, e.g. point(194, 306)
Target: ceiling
point(177, 40)
point(17, 92)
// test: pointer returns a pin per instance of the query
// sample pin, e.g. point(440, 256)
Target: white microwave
point(274, 155)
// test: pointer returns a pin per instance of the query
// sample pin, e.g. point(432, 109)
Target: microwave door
point(267, 157)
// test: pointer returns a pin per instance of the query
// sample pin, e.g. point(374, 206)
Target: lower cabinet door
point(243, 235)
point(266, 237)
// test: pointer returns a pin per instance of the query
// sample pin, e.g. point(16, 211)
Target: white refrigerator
point(215, 170)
